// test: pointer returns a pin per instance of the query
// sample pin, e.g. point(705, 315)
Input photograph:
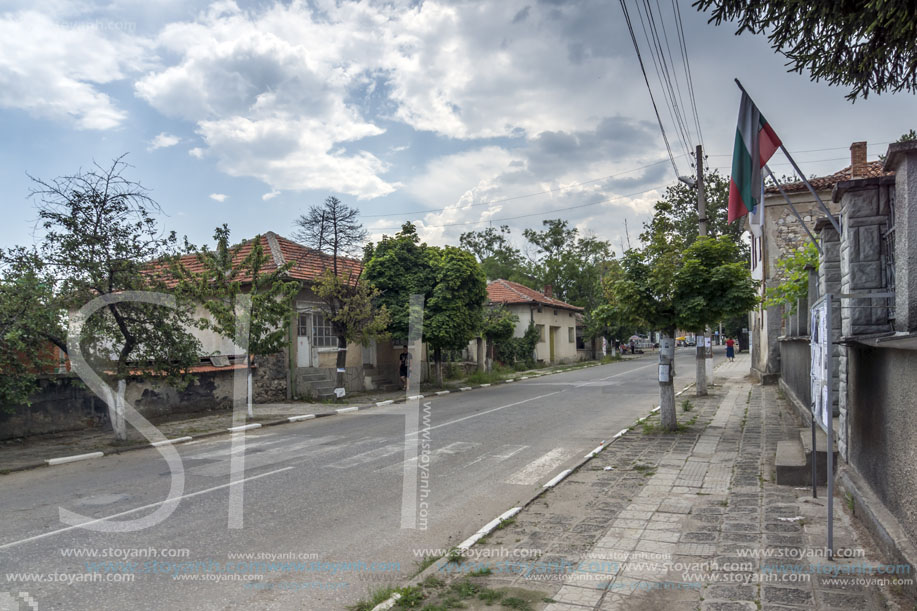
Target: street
point(322, 499)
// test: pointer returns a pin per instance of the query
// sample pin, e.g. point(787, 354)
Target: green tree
point(236, 283)
point(677, 212)
point(333, 229)
point(496, 254)
point(868, 45)
point(572, 264)
point(98, 235)
point(793, 272)
point(449, 278)
point(710, 286)
point(30, 324)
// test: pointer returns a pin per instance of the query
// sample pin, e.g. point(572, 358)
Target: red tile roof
point(506, 292)
point(874, 169)
point(308, 264)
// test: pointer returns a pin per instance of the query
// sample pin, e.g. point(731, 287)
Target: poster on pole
point(820, 354)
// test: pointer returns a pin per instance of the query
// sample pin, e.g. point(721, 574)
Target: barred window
point(322, 333)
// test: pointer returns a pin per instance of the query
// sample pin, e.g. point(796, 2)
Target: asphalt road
point(323, 501)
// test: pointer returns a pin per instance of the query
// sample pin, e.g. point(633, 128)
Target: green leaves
point(869, 45)
point(794, 279)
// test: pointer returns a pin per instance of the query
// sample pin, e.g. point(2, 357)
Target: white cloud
point(163, 140)
point(54, 70)
point(197, 152)
point(270, 195)
point(220, 197)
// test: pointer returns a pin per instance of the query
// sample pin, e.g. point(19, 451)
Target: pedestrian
point(404, 369)
point(633, 347)
point(730, 349)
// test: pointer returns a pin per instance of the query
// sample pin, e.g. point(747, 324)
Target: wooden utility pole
point(700, 349)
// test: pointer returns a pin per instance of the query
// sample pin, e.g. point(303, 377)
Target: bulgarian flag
point(755, 144)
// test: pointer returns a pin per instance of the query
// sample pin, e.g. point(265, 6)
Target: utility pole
point(700, 350)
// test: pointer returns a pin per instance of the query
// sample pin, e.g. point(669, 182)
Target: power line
point(687, 66)
point(633, 38)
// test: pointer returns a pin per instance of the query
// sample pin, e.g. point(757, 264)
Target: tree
point(30, 324)
point(398, 267)
point(99, 234)
point(233, 285)
point(572, 264)
point(333, 230)
point(710, 286)
point(864, 44)
point(666, 288)
point(793, 271)
point(453, 313)
point(496, 254)
point(677, 212)
point(451, 281)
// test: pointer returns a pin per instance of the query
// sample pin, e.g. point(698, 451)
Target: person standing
point(730, 349)
point(404, 368)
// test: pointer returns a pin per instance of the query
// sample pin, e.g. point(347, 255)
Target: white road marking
point(506, 451)
point(366, 457)
point(485, 412)
point(435, 455)
point(277, 454)
point(538, 468)
point(136, 509)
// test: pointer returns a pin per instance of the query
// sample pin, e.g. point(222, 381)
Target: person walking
point(730, 349)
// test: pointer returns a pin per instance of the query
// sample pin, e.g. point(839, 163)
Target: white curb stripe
point(600, 447)
point(484, 385)
point(244, 427)
point(654, 410)
point(344, 410)
point(65, 459)
point(166, 442)
point(300, 418)
point(443, 392)
point(558, 478)
point(487, 528)
point(381, 403)
point(619, 433)
point(464, 388)
point(388, 604)
point(509, 380)
point(524, 378)
point(415, 397)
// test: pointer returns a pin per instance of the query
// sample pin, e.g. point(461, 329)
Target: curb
point(437, 566)
point(256, 425)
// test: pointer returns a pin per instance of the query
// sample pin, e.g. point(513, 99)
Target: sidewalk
point(691, 520)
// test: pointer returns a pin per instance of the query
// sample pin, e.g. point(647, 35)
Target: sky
point(455, 115)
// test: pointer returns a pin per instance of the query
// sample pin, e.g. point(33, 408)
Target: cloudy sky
point(454, 114)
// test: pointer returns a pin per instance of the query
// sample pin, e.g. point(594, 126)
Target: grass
point(654, 428)
point(425, 562)
point(505, 523)
point(516, 603)
point(646, 470)
point(455, 556)
point(481, 572)
point(686, 406)
point(376, 597)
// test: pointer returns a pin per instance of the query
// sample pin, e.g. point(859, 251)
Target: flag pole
point(799, 173)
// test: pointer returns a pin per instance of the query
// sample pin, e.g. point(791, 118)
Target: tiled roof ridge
point(509, 286)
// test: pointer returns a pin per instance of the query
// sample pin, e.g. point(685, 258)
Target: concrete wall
point(795, 367)
point(63, 403)
point(560, 321)
point(882, 416)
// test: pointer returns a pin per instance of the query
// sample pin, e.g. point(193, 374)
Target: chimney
point(548, 290)
point(858, 160)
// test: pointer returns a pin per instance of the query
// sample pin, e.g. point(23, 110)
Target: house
point(555, 320)
point(307, 368)
point(783, 233)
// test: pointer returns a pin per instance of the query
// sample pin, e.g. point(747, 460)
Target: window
point(540, 332)
point(322, 333)
point(571, 335)
point(302, 328)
